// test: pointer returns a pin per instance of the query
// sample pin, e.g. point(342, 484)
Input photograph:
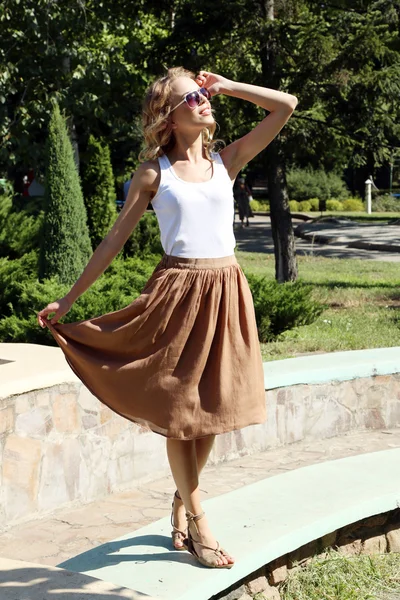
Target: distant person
point(242, 196)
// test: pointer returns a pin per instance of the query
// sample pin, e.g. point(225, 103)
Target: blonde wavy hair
point(156, 127)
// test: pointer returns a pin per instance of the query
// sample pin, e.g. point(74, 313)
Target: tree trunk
point(281, 220)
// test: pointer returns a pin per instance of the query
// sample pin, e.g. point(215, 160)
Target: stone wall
point(60, 445)
point(375, 535)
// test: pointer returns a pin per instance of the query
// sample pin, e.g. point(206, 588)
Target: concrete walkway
point(258, 238)
point(67, 532)
point(383, 237)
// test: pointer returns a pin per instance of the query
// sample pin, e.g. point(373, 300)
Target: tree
point(91, 57)
point(340, 58)
point(65, 248)
point(98, 190)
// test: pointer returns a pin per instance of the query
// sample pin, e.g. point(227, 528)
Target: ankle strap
point(191, 517)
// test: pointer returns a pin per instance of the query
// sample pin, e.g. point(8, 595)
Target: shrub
point(305, 206)
point(98, 191)
point(65, 248)
point(24, 296)
point(255, 205)
point(294, 206)
point(310, 183)
point(353, 204)
point(13, 275)
point(20, 231)
point(259, 205)
point(314, 203)
point(281, 306)
point(385, 203)
point(334, 205)
point(145, 238)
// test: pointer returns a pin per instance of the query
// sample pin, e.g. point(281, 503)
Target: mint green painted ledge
point(257, 523)
point(333, 366)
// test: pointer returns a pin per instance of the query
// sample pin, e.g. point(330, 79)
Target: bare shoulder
point(148, 175)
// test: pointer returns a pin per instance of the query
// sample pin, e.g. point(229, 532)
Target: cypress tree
point(98, 190)
point(65, 248)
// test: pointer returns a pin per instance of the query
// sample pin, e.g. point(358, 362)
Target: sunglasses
point(193, 99)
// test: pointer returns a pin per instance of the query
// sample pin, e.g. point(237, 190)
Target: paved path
point(258, 238)
point(67, 532)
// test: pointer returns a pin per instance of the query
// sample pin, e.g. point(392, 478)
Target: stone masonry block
point(374, 545)
point(22, 403)
point(374, 419)
point(277, 570)
point(42, 399)
point(53, 489)
point(6, 419)
point(350, 547)
point(235, 594)
point(271, 593)
point(393, 540)
point(31, 424)
point(258, 585)
point(21, 467)
point(65, 414)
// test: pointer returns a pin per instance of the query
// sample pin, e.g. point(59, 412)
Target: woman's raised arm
point(280, 105)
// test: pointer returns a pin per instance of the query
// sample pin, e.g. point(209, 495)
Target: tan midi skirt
point(183, 359)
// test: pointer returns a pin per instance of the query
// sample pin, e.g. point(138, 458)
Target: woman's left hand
point(213, 82)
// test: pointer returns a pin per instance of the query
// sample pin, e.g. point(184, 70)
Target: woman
point(183, 359)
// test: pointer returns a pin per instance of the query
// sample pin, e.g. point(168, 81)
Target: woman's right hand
point(59, 307)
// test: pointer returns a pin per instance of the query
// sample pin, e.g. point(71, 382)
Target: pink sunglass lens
point(193, 99)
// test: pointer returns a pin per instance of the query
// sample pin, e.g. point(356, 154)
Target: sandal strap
point(191, 517)
point(175, 530)
point(216, 550)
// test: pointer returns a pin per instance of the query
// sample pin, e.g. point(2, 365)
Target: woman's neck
point(188, 149)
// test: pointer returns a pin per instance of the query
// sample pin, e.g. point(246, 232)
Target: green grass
point(337, 577)
point(363, 299)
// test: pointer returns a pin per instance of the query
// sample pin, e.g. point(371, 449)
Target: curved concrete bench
point(257, 523)
point(60, 445)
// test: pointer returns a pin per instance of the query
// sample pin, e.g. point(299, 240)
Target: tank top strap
point(165, 166)
point(220, 169)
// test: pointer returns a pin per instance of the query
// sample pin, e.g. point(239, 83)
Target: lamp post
point(368, 194)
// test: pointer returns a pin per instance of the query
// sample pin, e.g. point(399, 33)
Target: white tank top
point(195, 219)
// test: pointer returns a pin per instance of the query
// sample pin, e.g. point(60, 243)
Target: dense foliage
point(280, 307)
point(315, 183)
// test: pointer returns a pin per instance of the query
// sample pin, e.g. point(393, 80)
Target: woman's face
point(183, 116)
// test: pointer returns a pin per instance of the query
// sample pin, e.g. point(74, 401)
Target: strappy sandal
point(208, 557)
point(176, 533)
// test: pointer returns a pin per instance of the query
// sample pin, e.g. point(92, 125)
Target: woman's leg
point(182, 458)
point(203, 449)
